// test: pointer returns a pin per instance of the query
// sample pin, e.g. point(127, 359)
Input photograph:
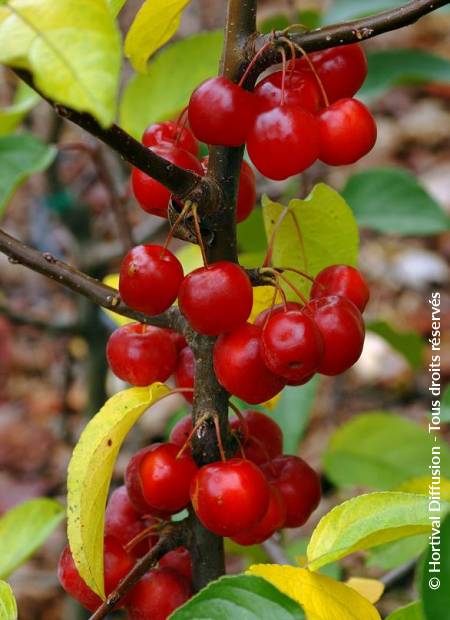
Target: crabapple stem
point(219, 438)
point(198, 233)
point(313, 69)
point(173, 536)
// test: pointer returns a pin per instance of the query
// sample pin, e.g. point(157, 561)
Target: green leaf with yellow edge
point(24, 528)
point(25, 98)
point(90, 472)
point(172, 76)
point(72, 48)
point(367, 521)
point(155, 23)
point(321, 597)
point(329, 235)
point(8, 605)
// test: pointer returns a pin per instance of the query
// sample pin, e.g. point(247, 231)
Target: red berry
point(117, 564)
point(292, 345)
point(347, 132)
point(173, 133)
point(178, 340)
point(240, 368)
point(301, 90)
point(181, 431)
point(124, 522)
point(150, 278)
point(217, 298)
point(152, 196)
point(262, 437)
point(185, 372)
point(262, 318)
point(342, 328)
point(141, 354)
point(221, 112)
point(298, 484)
point(246, 193)
point(165, 477)
point(272, 521)
point(157, 595)
point(230, 497)
point(178, 560)
point(283, 141)
point(342, 70)
point(342, 280)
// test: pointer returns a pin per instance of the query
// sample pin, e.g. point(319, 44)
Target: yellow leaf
point(90, 472)
point(155, 23)
point(262, 299)
point(371, 589)
point(421, 486)
point(113, 281)
point(321, 597)
point(272, 403)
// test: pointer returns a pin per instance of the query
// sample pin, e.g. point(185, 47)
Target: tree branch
point(209, 397)
point(47, 265)
point(342, 34)
point(171, 538)
point(183, 183)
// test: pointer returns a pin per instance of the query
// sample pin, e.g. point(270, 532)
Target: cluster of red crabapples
point(286, 345)
point(294, 116)
point(177, 144)
point(247, 499)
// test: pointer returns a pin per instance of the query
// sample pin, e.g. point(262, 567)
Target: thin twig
point(105, 296)
point(171, 538)
point(344, 33)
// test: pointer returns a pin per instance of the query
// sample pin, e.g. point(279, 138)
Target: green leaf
point(390, 200)
point(343, 10)
point(395, 67)
point(171, 78)
point(381, 450)
point(391, 555)
point(436, 601)
point(72, 48)
point(409, 344)
point(90, 472)
point(328, 229)
point(155, 23)
point(116, 6)
point(21, 155)
point(445, 405)
point(251, 233)
point(296, 551)
point(12, 115)
point(367, 521)
point(292, 413)
point(24, 528)
point(242, 597)
point(8, 605)
point(410, 612)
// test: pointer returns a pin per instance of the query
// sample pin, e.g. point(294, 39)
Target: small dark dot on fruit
point(109, 442)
